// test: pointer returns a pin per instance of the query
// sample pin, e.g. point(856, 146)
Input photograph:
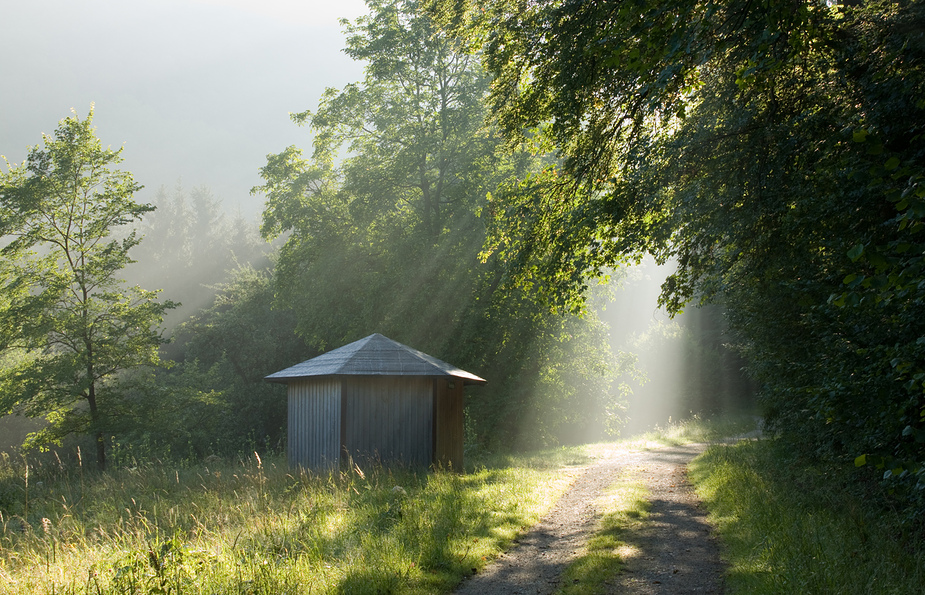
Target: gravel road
point(673, 553)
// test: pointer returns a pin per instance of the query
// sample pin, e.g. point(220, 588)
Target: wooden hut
point(375, 400)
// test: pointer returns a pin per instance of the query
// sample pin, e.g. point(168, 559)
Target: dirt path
point(674, 553)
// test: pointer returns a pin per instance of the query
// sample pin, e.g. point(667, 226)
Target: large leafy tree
point(418, 158)
point(73, 323)
point(389, 238)
point(774, 149)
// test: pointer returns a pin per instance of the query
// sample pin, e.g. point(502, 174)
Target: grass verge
point(253, 526)
point(788, 528)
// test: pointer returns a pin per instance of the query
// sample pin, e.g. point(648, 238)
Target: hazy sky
point(198, 90)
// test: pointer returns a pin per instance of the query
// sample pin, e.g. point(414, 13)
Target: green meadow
point(254, 526)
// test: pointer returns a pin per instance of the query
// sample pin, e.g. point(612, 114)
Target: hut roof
point(374, 355)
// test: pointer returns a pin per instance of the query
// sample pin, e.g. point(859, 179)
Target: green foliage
point(552, 377)
point(224, 339)
point(775, 150)
point(675, 368)
point(191, 245)
point(64, 305)
point(214, 400)
point(387, 238)
point(792, 527)
point(390, 239)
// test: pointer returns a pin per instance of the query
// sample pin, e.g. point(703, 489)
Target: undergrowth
point(697, 429)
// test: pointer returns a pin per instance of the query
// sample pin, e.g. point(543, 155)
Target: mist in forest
point(198, 93)
point(670, 368)
point(192, 245)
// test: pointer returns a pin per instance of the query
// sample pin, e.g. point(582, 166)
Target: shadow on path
point(673, 551)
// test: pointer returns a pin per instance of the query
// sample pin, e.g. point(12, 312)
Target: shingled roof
point(374, 355)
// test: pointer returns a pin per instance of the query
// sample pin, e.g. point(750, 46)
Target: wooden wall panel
point(314, 423)
point(388, 419)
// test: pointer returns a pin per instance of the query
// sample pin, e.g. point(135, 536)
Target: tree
point(775, 149)
point(392, 230)
point(213, 400)
point(64, 304)
point(390, 238)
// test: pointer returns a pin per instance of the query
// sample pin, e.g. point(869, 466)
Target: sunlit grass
point(788, 528)
point(697, 429)
point(254, 526)
point(624, 508)
point(785, 527)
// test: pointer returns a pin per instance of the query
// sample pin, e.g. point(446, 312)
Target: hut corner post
point(448, 424)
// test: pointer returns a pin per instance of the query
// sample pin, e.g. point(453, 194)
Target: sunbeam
point(670, 368)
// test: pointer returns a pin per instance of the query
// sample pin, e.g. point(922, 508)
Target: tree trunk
point(426, 207)
point(94, 410)
point(100, 452)
point(95, 425)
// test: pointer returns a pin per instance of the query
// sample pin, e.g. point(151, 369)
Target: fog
point(670, 368)
point(195, 90)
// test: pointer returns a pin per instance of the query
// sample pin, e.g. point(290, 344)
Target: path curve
point(675, 552)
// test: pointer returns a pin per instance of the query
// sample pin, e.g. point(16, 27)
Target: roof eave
point(472, 380)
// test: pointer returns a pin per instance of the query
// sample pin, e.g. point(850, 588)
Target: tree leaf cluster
point(774, 149)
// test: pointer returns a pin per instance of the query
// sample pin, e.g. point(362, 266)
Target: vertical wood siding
point(448, 424)
point(314, 423)
point(389, 419)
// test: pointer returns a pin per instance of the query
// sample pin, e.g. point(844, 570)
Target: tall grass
point(254, 526)
point(789, 528)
